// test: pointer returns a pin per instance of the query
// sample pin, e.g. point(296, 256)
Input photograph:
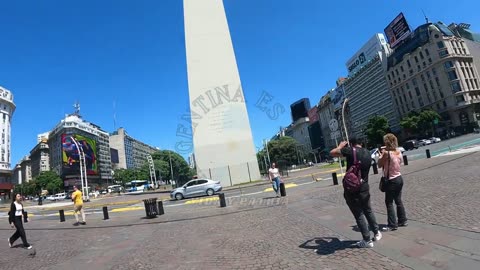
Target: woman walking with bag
point(15, 218)
point(390, 160)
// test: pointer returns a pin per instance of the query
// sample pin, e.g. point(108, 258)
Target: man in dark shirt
point(359, 203)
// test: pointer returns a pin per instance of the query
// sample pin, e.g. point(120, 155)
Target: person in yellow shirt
point(77, 199)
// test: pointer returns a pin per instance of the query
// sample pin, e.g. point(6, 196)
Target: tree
point(410, 124)
point(377, 127)
point(283, 151)
point(181, 171)
point(50, 181)
point(427, 119)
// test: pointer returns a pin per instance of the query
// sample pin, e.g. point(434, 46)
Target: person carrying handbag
point(15, 218)
point(390, 160)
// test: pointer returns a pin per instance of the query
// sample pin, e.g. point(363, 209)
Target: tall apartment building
point(366, 87)
point(436, 69)
point(326, 114)
point(26, 169)
point(7, 108)
point(132, 153)
point(64, 158)
point(40, 158)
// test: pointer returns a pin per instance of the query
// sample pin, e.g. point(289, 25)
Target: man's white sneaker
point(9, 243)
point(30, 247)
point(365, 244)
point(378, 236)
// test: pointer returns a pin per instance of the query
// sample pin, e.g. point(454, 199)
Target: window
point(429, 60)
point(396, 71)
point(448, 64)
point(416, 59)
point(389, 78)
point(410, 94)
point(419, 68)
point(421, 55)
point(425, 86)
point(427, 52)
point(441, 93)
point(438, 81)
point(443, 53)
point(444, 104)
point(434, 72)
point(460, 98)
point(440, 45)
point(414, 81)
point(401, 68)
point(438, 106)
point(407, 85)
point(452, 75)
point(417, 91)
point(420, 101)
point(408, 63)
point(456, 87)
point(411, 72)
point(423, 78)
point(428, 74)
point(431, 84)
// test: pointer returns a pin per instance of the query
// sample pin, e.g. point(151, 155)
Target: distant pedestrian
point(359, 202)
point(390, 160)
point(274, 177)
point(15, 218)
point(77, 198)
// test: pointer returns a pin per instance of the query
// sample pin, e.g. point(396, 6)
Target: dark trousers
point(359, 204)
point(393, 192)
point(20, 233)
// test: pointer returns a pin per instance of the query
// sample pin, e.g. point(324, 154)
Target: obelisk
point(222, 137)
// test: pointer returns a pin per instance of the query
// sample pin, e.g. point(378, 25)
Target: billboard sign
point(337, 97)
point(397, 30)
point(71, 158)
point(313, 115)
point(366, 53)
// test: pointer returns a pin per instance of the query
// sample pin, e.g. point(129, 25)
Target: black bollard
point(105, 213)
point(375, 168)
point(221, 196)
point(335, 180)
point(160, 208)
point(25, 217)
point(40, 202)
point(428, 153)
point(62, 215)
point(283, 193)
point(405, 160)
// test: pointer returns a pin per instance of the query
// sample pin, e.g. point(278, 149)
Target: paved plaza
point(311, 228)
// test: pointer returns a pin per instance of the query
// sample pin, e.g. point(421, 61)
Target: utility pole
point(268, 154)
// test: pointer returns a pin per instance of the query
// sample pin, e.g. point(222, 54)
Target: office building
point(325, 115)
point(40, 158)
point(299, 109)
point(26, 170)
point(64, 157)
point(436, 69)
point(132, 153)
point(366, 87)
point(223, 142)
point(7, 108)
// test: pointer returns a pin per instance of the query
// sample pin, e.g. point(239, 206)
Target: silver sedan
point(196, 187)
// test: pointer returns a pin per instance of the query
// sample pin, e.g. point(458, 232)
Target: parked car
point(426, 141)
point(411, 144)
point(435, 139)
point(57, 197)
point(375, 154)
point(196, 187)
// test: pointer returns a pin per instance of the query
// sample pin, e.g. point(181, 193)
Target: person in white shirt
point(15, 218)
point(274, 177)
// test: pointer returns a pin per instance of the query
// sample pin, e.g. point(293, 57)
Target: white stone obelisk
point(222, 136)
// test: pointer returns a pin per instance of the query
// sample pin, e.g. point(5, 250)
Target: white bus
point(137, 186)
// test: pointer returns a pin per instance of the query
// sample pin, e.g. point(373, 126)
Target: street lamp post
point(268, 153)
point(83, 169)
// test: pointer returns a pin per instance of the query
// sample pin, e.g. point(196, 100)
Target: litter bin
point(151, 207)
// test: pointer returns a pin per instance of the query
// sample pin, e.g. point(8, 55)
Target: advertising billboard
point(368, 51)
point(337, 96)
point(71, 158)
point(397, 30)
point(313, 115)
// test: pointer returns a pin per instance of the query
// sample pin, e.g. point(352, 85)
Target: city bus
point(137, 186)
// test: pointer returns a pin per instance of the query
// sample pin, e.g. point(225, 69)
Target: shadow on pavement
point(328, 245)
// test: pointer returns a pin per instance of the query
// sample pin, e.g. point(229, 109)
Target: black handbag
point(384, 179)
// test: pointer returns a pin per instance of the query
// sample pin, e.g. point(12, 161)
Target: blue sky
point(55, 52)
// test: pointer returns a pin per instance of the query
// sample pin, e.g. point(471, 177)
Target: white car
point(426, 141)
point(375, 154)
point(57, 197)
point(435, 139)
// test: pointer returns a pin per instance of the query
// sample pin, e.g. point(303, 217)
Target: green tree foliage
point(377, 127)
point(283, 151)
point(50, 181)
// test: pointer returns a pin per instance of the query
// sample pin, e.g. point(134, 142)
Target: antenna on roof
point(424, 15)
point(77, 108)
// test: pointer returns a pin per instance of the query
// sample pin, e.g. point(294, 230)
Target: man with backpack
point(356, 189)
